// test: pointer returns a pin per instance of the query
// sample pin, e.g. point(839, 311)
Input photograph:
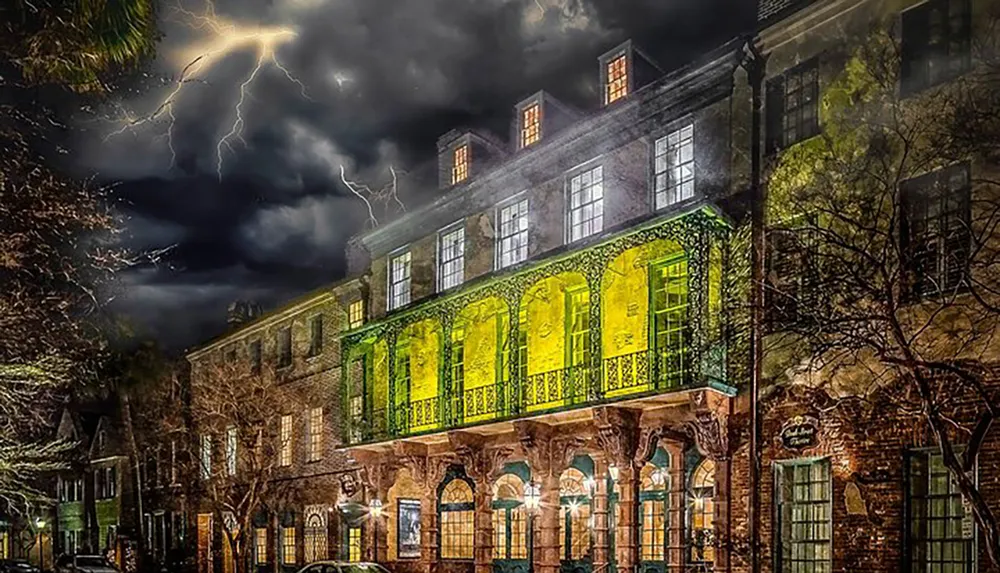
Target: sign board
point(799, 433)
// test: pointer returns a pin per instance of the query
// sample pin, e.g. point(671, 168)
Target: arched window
point(574, 516)
point(654, 499)
point(457, 508)
point(510, 540)
point(701, 496)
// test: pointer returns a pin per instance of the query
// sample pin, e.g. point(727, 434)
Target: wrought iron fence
point(478, 402)
point(658, 369)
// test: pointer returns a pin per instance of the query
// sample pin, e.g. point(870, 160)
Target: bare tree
point(236, 447)
point(883, 271)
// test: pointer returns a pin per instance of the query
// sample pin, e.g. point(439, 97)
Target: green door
point(575, 539)
point(510, 537)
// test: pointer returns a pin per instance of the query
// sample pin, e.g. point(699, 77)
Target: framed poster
point(408, 534)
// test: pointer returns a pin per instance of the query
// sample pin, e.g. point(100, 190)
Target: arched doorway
point(701, 517)
point(654, 497)
point(575, 525)
point(510, 525)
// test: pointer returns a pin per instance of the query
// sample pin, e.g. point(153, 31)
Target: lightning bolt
point(383, 196)
point(224, 37)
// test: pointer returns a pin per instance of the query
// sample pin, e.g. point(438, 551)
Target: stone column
point(627, 530)
point(429, 529)
point(601, 538)
point(547, 556)
point(484, 527)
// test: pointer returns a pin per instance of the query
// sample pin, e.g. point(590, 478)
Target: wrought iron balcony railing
point(620, 376)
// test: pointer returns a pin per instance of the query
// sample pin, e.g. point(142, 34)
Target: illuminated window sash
point(460, 164)
point(616, 87)
point(457, 531)
point(315, 434)
point(451, 258)
point(531, 124)
point(938, 538)
point(260, 545)
point(674, 167)
point(356, 314)
point(399, 281)
point(512, 241)
point(805, 516)
point(288, 545)
point(285, 438)
point(354, 545)
point(586, 203)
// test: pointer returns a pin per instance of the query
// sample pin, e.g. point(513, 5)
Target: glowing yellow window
point(460, 164)
point(354, 545)
point(617, 86)
point(356, 313)
point(530, 125)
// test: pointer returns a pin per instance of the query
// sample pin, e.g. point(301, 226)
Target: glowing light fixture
point(375, 508)
point(532, 496)
point(613, 472)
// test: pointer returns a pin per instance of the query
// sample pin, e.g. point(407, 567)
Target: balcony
point(635, 316)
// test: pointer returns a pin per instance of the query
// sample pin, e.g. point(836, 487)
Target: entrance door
point(510, 526)
point(575, 526)
point(654, 514)
point(204, 543)
point(612, 525)
point(351, 544)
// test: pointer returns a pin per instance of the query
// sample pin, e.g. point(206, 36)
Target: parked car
point(343, 567)
point(84, 564)
point(17, 566)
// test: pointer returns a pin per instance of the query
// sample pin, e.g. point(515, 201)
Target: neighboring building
point(298, 346)
point(95, 496)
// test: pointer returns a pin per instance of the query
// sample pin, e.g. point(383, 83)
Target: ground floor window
point(701, 512)
point(457, 520)
point(354, 544)
point(287, 535)
point(260, 545)
point(804, 516)
point(940, 532)
point(4, 545)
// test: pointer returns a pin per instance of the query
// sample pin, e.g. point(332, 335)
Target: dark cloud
point(382, 80)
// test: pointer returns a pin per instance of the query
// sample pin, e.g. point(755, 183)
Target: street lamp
point(39, 526)
point(375, 511)
point(613, 472)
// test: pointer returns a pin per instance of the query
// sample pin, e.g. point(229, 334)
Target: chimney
point(241, 312)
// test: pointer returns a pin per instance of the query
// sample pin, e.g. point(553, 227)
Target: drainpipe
point(755, 65)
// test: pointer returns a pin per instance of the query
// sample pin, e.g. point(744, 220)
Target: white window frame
point(672, 168)
point(513, 202)
point(448, 280)
point(393, 301)
point(231, 439)
point(285, 437)
point(315, 434)
point(206, 456)
point(578, 173)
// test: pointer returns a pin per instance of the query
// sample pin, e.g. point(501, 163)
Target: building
point(293, 356)
point(95, 496)
point(545, 367)
point(545, 347)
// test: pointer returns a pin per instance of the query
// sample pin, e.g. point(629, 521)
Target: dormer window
point(531, 124)
point(460, 164)
point(616, 85)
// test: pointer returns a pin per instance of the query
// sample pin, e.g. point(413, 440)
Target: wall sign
point(408, 534)
point(799, 433)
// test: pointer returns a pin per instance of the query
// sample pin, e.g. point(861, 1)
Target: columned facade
point(604, 489)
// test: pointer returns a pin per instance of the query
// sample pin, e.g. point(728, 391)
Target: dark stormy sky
point(382, 79)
